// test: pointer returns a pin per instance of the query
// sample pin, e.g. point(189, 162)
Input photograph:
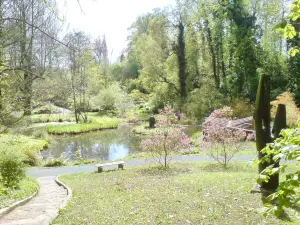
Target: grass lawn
point(97, 123)
point(194, 193)
point(8, 196)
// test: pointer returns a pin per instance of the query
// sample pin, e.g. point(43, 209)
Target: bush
point(202, 101)
point(297, 97)
point(166, 139)
point(220, 142)
point(241, 108)
point(285, 149)
point(55, 162)
point(32, 157)
point(112, 98)
point(138, 96)
point(12, 168)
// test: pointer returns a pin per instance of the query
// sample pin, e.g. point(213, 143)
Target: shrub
point(241, 108)
point(202, 101)
point(112, 98)
point(166, 139)
point(220, 142)
point(225, 112)
point(285, 149)
point(32, 157)
point(54, 162)
point(12, 169)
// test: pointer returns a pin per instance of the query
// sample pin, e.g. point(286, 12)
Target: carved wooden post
point(279, 124)
point(262, 121)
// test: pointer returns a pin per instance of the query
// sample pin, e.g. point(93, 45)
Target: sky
point(109, 17)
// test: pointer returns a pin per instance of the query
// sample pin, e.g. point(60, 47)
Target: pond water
point(105, 145)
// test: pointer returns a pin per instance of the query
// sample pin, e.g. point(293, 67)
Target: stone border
point(69, 192)
point(6, 210)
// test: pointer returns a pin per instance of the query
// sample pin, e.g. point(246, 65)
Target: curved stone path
point(43, 208)
point(40, 210)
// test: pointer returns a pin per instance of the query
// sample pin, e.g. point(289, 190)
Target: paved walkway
point(42, 172)
point(42, 209)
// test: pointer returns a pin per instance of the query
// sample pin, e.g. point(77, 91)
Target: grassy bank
point(29, 147)
point(97, 123)
point(21, 142)
point(186, 194)
point(8, 196)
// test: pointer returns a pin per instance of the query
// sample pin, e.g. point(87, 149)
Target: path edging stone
point(6, 210)
point(69, 192)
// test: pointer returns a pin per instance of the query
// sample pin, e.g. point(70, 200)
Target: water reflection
point(105, 145)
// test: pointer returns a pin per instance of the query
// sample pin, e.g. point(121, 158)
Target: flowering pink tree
point(219, 140)
point(167, 138)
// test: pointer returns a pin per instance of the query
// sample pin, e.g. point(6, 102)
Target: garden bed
point(185, 194)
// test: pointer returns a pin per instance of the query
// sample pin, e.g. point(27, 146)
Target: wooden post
point(262, 122)
point(152, 122)
point(100, 169)
point(279, 124)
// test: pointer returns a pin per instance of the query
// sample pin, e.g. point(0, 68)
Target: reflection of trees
point(106, 144)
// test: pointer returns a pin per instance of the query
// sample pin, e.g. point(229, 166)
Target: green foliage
point(28, 147)
point(112, 98)
point(202, 101)
point(241, 108)
point(26, 187)
point(287, 28)
point(97, 124)
point(12, 168)
point(46, 118)
point(56, 162)
point(286, 148)
point(138, 96)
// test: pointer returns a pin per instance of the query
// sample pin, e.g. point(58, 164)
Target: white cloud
point(109, 17)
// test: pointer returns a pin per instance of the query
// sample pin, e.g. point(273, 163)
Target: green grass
point(143, 129)
point(21, 142)
point(185, 194)
point(27, 187)
point(98, 123)
point(29, 147)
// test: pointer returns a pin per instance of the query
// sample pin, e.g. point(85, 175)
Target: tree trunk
point(27, 94)
point(182, 63)
point(213, 54)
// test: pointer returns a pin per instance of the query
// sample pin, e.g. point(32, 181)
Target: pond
point(105, 145)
